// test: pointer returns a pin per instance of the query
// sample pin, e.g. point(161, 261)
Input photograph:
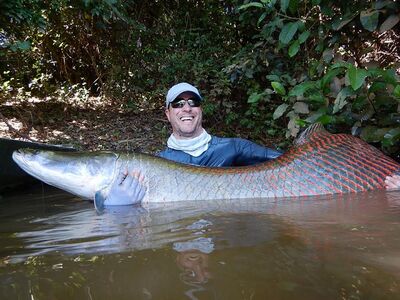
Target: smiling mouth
point(186, 119)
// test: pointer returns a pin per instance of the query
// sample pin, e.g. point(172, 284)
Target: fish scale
point(319, 163)
point(359, 175)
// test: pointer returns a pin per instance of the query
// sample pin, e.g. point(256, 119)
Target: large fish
point(319, 163)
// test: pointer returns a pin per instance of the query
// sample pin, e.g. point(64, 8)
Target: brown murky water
point(55, 246)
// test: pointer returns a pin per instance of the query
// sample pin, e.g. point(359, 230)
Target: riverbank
point(92, 126)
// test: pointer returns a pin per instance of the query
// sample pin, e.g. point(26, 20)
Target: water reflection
point(192, 256)
point(72, 226)
point(194, 265)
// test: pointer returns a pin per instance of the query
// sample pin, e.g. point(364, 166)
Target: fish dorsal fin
point(304, 137)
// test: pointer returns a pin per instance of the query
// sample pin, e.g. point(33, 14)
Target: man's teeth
point(186, 118)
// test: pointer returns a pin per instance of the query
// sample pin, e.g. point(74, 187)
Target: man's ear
point(167, 113)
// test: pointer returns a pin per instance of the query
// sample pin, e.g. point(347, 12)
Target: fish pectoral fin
point(99, 201)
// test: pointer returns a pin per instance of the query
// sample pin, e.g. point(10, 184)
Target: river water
point(56, 246)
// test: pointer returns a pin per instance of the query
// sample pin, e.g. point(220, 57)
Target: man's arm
point(250, 153)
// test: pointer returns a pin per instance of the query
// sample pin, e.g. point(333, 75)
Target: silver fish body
point(321, 163)
point(85, 173)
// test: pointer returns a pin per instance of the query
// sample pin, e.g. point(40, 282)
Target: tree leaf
point(390, 76)
point(340, 100)
point(391, 137)
point(261, 18)
point(279, 111)
point(304, 36)
point(356, 77)
point(396, 91)
point(329, 76)
point(327, 55)
point(20, 46)
point(382, 3)
point(335, 86)
point(293, 127)
point(317, 97)
point(254, 97)
point(341, 64)
point(24, 46)
point(315, 116)
point(294, 48)
point(301, 108)
point(272, 77)
point(369, 19)
point(338, 23)
point(288, 31)
point(284, 5)
point(251, 4)
point(301, 88)
point(278, 88)
point(377, 86)
point(389, 23)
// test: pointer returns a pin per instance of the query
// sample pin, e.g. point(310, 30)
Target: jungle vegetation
point(268, 66)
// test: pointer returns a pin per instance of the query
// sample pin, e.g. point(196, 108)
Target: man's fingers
point(128, 181)
point(121, 176)
point(139, 176)
point(137, 185)
point(131, 181)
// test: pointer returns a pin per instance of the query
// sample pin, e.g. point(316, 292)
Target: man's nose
point(187, 107)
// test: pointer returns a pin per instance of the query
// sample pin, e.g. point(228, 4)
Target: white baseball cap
point(178, 89)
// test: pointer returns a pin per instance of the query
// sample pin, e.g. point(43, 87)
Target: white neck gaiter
point(194, 147)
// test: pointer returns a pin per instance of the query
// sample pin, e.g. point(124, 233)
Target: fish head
point(80, 173)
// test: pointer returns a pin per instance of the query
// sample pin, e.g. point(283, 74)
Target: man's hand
point(392, 182)
point(127, 189)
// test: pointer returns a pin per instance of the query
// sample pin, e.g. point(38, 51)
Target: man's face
point(185, 121)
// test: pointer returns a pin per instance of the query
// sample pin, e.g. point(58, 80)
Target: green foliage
point(123, 50)
point(318, 58)
point(267, 67)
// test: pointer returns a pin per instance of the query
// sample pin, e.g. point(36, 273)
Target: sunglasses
point(179, 102)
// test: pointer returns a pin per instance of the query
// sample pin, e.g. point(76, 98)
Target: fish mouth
point(25, 151)
point(20, 156)
point(27, 159)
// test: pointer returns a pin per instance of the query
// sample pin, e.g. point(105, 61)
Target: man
point(190, 143)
